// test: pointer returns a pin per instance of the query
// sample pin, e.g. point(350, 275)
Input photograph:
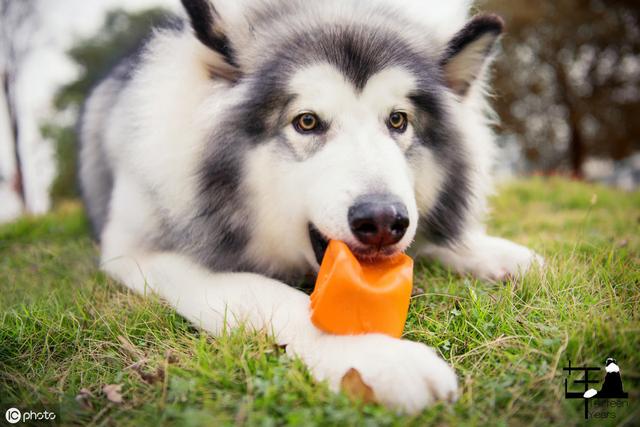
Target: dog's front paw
point(401, 374)
point(486, 257)
point(499, 259)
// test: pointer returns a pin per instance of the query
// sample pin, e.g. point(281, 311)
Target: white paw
point(486, 257)
point(498, 259)
point(402, 374)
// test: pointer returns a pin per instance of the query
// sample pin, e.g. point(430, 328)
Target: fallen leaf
point(138, 365)
point(353, 386)
point(113, 392)
point(170, 357)
point(138, 368)
point(83, 398)
point(150, 377)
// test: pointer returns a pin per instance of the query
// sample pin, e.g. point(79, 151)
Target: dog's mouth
point(319, 243)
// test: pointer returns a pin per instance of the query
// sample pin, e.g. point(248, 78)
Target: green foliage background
point(120, 35)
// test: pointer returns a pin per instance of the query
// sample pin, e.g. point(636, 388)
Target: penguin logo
point(612, 386)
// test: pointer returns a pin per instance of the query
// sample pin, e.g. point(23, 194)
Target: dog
point(217, 162)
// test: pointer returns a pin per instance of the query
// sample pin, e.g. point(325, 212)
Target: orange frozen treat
point(353, 298)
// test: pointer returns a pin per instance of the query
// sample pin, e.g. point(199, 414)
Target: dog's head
point(348, 114)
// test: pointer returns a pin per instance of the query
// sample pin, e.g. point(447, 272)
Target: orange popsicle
point(353, 298)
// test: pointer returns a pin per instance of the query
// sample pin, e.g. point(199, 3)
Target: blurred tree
point(121, 34)
point(568, 79)
point(18, 20)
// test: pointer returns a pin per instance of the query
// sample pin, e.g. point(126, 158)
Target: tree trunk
point(576, 144)
point(18, 182)
point(577, 149)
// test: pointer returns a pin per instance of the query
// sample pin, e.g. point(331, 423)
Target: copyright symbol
point(12, 415)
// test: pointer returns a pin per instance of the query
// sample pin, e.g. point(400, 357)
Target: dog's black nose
point(378, 220)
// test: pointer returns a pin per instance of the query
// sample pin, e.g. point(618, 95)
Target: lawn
point(66, 330)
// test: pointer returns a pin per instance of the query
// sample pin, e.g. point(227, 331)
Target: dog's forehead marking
point(326, 90)
point(392, 84)
point(320, 87)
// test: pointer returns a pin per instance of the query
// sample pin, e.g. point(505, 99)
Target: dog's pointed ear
point(469, 51)
point(208, 27)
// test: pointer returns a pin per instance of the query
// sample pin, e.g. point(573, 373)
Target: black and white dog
point(217, 163)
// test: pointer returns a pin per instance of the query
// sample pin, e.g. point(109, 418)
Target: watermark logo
point(13, 415)
point(611, 394)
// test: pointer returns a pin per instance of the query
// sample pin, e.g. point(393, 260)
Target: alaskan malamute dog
point(218, 162)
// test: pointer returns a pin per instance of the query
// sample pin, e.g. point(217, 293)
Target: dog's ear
point(469, 51)
point(208, 27)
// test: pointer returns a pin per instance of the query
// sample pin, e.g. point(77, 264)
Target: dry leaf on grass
point(113, 392)
point(83, 398)
point(353, 386)
point(170, 357)
point(150, 377)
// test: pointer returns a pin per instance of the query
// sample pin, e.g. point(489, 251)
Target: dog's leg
point(486, 257)
point(402, 374)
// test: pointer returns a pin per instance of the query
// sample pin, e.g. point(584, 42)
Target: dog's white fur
point(173, 106)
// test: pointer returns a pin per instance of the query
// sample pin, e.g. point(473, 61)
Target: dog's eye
point(398, 121)
point(306, 122)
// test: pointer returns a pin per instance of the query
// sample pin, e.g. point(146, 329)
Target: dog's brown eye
point(307, 122)
point(398, 121)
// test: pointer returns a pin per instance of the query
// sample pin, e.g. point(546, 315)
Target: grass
point(67, 330)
